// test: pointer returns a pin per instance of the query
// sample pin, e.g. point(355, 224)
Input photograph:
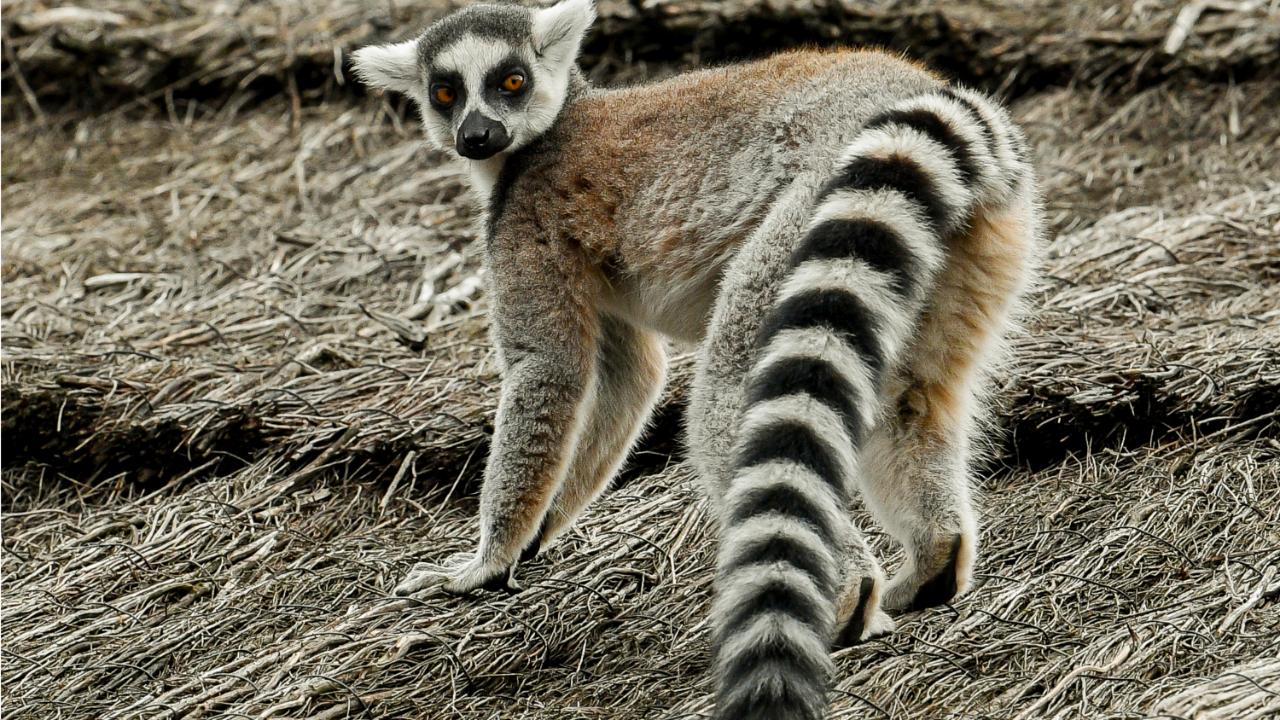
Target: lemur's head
point(488, 78)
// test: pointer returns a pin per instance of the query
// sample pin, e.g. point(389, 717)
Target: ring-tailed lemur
point(843, 232)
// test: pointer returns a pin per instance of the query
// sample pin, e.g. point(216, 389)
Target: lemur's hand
point(462, 573)
point(478, 574)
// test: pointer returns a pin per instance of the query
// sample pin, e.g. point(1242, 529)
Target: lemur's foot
point(460, 574)
point(867, 620)
point(933, 580)
point(479, 574)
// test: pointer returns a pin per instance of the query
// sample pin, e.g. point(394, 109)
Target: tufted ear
point(389, 67)
point(559, 29)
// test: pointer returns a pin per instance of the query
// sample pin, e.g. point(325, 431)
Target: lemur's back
point(663, 182)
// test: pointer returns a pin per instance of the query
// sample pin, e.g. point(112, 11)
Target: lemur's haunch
point(846, 236)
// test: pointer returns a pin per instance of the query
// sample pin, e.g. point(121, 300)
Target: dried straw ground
point(247, 387)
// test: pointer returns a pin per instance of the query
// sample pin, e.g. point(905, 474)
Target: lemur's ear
point(558, 30)
point(389, 67)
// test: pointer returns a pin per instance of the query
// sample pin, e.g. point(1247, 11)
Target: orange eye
point(445, 95)
point(513, 82)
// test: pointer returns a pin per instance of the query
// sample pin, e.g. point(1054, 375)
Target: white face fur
point(487, 79)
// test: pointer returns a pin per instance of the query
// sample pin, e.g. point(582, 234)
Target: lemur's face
point(487, 79)
point(485, 96)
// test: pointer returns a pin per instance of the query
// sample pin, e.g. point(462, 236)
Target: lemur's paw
point(477, 574)
point(867, 621)
point(879, 626)
point(425, 575)
point(421, 577)
point(460, 573)
point(935, 582)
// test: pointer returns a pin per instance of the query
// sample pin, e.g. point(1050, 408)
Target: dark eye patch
point(454, 81)
point(493, 91)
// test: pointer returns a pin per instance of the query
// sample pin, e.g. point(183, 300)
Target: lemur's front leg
point(547, 331)
point(629, 376)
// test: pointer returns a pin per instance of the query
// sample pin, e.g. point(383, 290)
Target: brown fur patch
point(986, 269)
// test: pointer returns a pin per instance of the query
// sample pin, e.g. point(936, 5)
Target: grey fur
point(509, 23)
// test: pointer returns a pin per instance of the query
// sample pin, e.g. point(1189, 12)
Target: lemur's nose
point(481, 137)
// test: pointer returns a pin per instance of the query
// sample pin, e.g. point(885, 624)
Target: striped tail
point(911, 179)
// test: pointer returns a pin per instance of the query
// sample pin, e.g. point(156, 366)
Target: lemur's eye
point(444, 95)
point(513, 82)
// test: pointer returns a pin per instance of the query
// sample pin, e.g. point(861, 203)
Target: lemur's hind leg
point(917, 471)
point(860, 611)
point(749, 290)
point(750, 285)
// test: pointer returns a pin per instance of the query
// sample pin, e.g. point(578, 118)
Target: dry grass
point(242, 399)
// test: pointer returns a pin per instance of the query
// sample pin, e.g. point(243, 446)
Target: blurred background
point(247, 384)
